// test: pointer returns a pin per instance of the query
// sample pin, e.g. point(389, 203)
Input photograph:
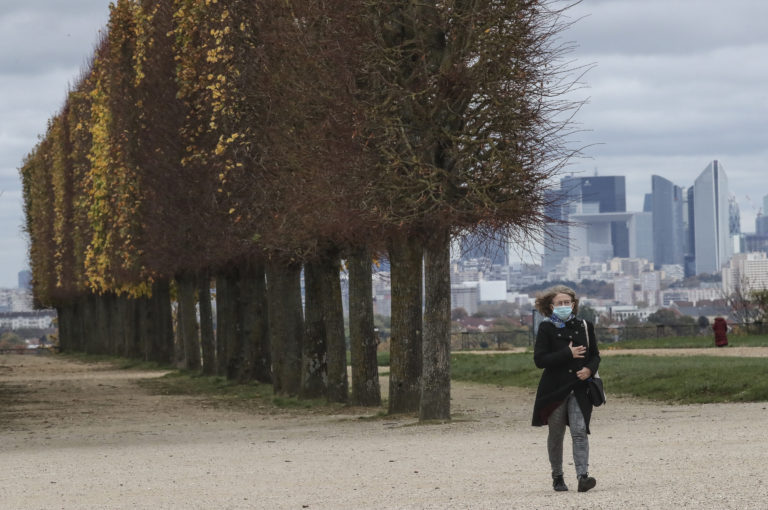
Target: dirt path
point(78, 436)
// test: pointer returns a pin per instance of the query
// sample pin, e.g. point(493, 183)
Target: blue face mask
point(563, 312)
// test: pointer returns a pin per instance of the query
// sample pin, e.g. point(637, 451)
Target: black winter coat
point(552, 353)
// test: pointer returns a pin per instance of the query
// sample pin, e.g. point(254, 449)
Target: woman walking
point(568, 358)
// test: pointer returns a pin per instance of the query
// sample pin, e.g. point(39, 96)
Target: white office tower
point(712, 242)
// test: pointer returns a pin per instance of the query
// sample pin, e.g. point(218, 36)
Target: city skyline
point(664, 105)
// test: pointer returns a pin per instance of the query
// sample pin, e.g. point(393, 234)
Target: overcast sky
point(676, 84)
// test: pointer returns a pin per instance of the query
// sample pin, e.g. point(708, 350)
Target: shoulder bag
point(595, 390)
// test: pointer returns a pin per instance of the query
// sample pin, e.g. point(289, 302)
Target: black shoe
point(586, 482)
point(558, 483)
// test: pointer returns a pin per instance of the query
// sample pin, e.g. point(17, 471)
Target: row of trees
point(247, 143)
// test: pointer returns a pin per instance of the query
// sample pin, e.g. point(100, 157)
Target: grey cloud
point(38, 36)
point(666, 26)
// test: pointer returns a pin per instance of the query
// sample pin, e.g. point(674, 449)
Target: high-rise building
point(690, 239)
point(734, 217)
point(25, 279)
point(713, 246)
point(492, 251)
point(624, 290)
point(556, 246)
point(610, 195)
point(761, 224)
point(668, 229)
point(746, 272)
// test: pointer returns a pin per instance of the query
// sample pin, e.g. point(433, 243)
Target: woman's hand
point(577, 350)
point(584, 374)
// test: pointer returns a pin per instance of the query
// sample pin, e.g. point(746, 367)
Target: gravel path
point(78, 436)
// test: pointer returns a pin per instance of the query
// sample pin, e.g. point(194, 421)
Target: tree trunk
point(161, 350)
point(188, 322)
point(111, 318)
point(255, 319)
point(80, 338)
point(285, 327)
point(69, 321)
point(207, 342)
point(90, 324)
point(225, 321)
point(335, 339)
point(102, 325)
point(64, 316)
point(129, 317)
point(236, 365)
point(178, 334)
point(363, 341)
point(253, 357)
point(435, 403)
point(144, 331)
point(314, 361)
point(405, 256)
point(120, 321)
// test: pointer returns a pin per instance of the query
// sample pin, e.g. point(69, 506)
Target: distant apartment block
point(492, 291)
point(624, 290)
point(746, 272)
point(465, 295)
point(624, 312)
point(382, 294)
point(630, 267)
point(568, 268)
point(15, 300)
point(672, 272)
point(650, 287)
point(670, 296)
point(38, 319)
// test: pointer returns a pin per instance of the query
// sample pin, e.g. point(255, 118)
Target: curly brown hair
point(544, 299)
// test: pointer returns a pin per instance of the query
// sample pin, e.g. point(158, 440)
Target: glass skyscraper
point(711, 225)
point(668, 231)
point(610, 194)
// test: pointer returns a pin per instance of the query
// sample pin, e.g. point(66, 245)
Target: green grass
point(116, 361)
point(673, 379)
point(221, 391)
point(218, 390)
point(180, 382)
point(687, 342)
point(382, 358)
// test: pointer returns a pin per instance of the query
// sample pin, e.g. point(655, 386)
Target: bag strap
point(586, 331)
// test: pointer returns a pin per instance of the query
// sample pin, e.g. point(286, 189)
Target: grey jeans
point(557, 422)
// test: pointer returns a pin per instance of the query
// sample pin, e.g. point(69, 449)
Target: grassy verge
point(382, 358)
point(687, 342)
point(219, 390)
point(673, 379)
point(116, 361)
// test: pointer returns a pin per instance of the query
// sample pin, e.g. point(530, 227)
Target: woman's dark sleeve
point(543, 355)
point(594, 352)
